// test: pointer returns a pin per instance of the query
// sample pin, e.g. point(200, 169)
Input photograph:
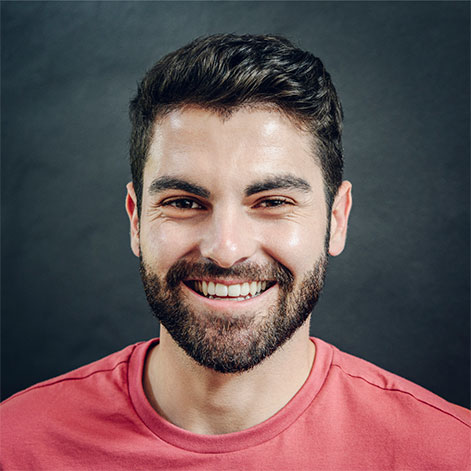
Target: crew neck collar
point(231, 441)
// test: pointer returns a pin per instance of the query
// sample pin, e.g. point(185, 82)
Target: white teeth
point(221, 290)
point(237, 292)
point(244, 289)
point(234, 291)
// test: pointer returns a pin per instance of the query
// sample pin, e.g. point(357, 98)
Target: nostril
point(225, 261)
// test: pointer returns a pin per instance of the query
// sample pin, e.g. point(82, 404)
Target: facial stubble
point(225, 342)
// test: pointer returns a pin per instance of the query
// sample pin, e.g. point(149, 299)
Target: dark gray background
point(398, 296)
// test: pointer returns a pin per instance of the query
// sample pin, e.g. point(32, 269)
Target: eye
point(182, 203)
point(273, 203)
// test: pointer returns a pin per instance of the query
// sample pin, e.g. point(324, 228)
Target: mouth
point(229, 292)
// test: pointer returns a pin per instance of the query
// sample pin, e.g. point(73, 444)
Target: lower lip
point(227, 304)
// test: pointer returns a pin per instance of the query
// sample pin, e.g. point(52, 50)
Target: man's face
point(232, 233)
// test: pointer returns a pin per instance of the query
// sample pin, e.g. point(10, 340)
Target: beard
point(225, 342)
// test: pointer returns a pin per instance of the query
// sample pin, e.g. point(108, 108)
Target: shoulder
point(377, 382)
point(72, 394)
point(418, 425)
point(103, 367)
point(43, 426)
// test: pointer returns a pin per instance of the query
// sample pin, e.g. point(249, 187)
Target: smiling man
point(236, 203)
point(232, 236)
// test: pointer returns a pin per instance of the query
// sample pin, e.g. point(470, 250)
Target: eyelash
point(277, 202)
point(173, 204)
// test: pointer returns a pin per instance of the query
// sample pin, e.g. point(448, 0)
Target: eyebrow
point(173, 183)
point(285, 182)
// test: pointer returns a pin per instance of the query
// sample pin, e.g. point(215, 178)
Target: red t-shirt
point(349, 415)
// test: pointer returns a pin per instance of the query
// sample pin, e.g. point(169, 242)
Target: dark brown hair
point(224, 72)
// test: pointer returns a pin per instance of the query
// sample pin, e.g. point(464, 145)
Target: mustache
point(185, 270)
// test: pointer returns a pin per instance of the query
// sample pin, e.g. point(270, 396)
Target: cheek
point(163, 243)
point(297, 246)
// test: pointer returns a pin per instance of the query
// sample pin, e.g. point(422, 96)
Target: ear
point(131, 209)
point(339, 218)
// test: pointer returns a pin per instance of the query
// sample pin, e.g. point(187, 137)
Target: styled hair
point(224, 72)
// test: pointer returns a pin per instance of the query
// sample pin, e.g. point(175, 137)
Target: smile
point(232, 292)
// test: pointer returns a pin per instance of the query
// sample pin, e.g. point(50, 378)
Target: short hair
point(224, 72)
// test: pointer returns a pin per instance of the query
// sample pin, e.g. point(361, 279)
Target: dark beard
point(226, 343)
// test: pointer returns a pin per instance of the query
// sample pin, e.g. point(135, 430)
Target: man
point(235, 205)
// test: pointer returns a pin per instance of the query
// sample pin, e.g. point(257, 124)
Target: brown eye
point(273, 203)
point(183, 203)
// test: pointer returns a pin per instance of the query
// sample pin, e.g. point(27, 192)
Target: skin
point(229, 227)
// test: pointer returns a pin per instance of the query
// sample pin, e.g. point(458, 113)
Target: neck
point(204, 401)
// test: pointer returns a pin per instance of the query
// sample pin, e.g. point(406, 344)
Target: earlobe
point(133, 214)
point(339, 218)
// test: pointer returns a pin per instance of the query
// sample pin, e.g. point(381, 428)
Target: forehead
point(247, 144)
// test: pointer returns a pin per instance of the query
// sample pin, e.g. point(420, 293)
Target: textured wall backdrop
point(398, 296)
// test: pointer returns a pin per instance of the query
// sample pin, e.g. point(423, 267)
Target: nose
point(228, 238)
